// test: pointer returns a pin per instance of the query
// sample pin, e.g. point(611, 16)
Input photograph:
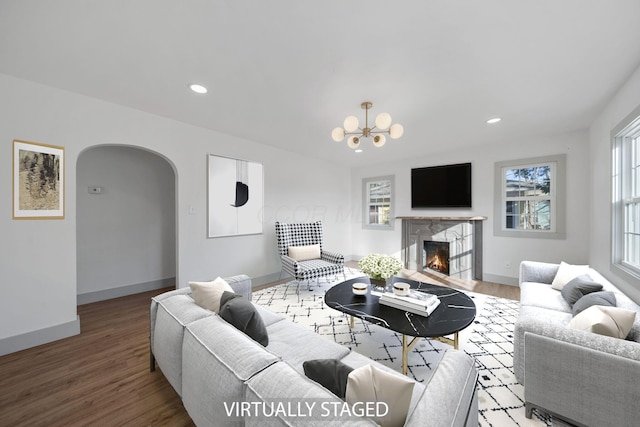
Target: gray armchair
point(303, 235)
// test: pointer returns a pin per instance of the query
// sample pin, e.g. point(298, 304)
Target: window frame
point(623, 194)
point(556, 197)
point(366, 203)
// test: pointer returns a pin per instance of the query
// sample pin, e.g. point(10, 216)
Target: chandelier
point(377, 133)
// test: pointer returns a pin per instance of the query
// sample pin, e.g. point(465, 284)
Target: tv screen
point(447, 186)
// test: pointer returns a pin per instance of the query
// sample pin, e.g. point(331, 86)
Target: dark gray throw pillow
point(579, 287)
point(606, 298)
point(238, 311)
point(332, 374)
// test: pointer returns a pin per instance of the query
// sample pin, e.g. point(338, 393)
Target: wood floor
point(98, 378)
point(101, 377)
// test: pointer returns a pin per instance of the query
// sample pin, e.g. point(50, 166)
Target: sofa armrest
point(549, 328)
point(241, 284)
point(579, 383)
point(539, 272)
point(450, 397)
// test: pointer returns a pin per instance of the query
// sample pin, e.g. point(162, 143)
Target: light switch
point(95, 190)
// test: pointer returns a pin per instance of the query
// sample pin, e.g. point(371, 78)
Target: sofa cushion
point(544, 296)
point(268, 317)
point(217, 361)
point(332, 374)
point(578, 287)
point(239, 312)
point(370, 384)
point(208, 294)
point(567, 272)
point(304, 253)
point(295, 344)
point(606, 298)
point(610, 321)
point(280, 383)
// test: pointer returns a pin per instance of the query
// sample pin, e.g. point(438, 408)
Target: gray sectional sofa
point(211, 365)
point(585, 378)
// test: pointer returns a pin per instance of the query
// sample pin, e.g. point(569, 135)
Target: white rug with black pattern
point(489, 339)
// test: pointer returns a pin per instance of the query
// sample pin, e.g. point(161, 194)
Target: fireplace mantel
point(463, 233)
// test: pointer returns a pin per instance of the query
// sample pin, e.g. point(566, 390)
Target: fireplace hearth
point(436, 256)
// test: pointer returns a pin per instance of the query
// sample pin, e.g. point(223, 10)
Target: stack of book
point(416, 302)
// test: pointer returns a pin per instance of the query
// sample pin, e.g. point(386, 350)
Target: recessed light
point(359, 150)
point(198, 88)
point(494, 120)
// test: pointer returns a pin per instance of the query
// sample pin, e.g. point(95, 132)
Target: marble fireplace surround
point(464, 235)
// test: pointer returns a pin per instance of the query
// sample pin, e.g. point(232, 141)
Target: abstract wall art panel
point(235, 197)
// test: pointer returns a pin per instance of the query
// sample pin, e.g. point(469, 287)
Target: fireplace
point(456, 241)
point(436, 256)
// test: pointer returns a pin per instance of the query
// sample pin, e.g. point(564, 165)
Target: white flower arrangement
point(380, 266)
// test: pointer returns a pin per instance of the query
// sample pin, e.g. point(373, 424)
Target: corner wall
point(622, 104)
point(38, 257)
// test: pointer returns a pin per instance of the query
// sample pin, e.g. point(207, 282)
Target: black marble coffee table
point(455, 312)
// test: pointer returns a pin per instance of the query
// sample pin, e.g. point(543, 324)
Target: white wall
point(38, 258)
point(498, 251)
point(126, 235)
point(623, 103)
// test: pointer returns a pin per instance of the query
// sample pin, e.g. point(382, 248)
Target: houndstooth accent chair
point(304, 234)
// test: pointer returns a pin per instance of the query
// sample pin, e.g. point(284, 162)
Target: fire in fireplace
point(436, 256)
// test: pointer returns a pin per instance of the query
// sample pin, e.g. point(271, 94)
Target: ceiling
point(286, 72)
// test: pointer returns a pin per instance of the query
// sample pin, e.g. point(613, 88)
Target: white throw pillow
point(207, 294)
point(370, 384)
point(610, 321)
point(304, 253)
point(566, 273)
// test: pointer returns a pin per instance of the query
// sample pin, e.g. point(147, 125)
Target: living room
point(44, 274)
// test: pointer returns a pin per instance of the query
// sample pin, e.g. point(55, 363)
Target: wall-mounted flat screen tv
point(447, 186)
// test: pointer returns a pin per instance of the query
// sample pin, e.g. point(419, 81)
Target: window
point(626, 197)
point(530, 200)
point(378, 203)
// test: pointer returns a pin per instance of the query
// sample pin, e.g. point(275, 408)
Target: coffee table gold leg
point(406, 348)
point(352, 322)
point(455, 341)
point(404, 355)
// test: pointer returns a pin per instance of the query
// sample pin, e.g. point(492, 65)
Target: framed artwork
point(235, 197)
point(38, 181)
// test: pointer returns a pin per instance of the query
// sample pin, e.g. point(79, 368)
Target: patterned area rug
point(489, 340)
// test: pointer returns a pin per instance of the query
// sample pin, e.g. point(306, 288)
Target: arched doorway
point(126, 222)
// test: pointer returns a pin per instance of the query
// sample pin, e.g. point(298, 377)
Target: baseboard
point(123, 291)
point(269, 278)
point(505, 280)
point(39, 337)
